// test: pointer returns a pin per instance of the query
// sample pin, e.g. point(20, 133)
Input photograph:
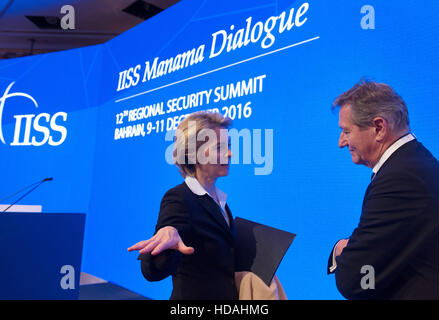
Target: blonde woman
point(195, 236)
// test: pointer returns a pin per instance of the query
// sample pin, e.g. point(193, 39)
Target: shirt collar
point(196, 187)
point(395, 146)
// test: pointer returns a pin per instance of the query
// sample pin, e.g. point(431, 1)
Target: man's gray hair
point(369, 99)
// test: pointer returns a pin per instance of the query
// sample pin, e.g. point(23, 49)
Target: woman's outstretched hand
point(165, 238)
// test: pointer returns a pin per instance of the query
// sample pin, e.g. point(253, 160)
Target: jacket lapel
point(215, 212)
point(232, 223)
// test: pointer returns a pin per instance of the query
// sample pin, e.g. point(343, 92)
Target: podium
point(40, 255)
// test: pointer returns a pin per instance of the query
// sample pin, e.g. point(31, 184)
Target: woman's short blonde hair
point(188, 130)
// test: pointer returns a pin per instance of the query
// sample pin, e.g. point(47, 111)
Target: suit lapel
point(232, 223)
point(391, 162)
point(215, 212)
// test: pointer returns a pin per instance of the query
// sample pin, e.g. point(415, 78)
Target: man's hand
point(165, 238)
point(340, 246)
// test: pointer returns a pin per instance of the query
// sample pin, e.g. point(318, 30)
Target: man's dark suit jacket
point(209, 272)
point(398, 232)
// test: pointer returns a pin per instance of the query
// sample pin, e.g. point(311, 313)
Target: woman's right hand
point(340, 246)
point(166, 238)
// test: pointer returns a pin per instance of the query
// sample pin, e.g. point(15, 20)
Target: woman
point(195, 236)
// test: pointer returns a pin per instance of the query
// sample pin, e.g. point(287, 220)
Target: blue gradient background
point(314, 189)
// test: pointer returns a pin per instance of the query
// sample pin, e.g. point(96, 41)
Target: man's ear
point(382, 128)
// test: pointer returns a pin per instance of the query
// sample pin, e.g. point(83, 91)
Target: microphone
point(38, 183)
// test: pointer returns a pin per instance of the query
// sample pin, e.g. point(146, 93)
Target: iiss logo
point(26, 125)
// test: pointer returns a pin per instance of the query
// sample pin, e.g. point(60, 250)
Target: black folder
point(260, 248)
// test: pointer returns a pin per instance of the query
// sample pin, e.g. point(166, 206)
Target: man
point(394, 251)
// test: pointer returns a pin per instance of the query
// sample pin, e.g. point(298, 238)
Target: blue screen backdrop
point(67, 115)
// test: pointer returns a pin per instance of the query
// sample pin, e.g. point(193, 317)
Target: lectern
point(40, 255)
